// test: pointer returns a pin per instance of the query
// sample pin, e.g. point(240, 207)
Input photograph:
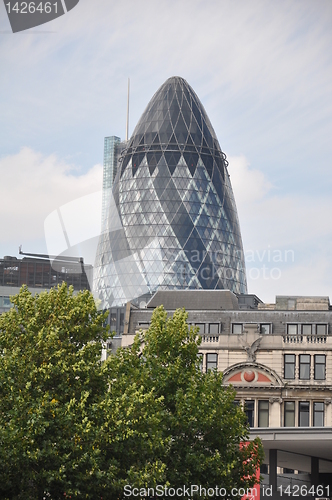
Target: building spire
point(127, 122)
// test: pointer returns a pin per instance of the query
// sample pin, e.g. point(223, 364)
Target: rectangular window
point(292, 329)
point(289, 371)
point(237, 328)
point(266, 329)
point(306, 329)
point(201, 327)
point(304, 413)
point(249, 409)
point(320, 362)
point(263, 413)
point(305, 366)
point(318, 411)
point(289, 420)
point(112, 317)
point(6, 302)
point(264, 469)
point(214, 328)
point(211, 361)
point(144, 326)
point(121, 321)
point(321, 329)
point(200, 360)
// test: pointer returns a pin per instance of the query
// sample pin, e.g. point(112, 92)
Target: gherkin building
point(171, 222)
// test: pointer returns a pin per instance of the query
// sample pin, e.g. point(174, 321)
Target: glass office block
point(172, 194)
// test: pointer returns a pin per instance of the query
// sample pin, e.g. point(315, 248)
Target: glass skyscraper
point(111, 155)
point(171, 222)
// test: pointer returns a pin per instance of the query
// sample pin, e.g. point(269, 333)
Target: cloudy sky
point(263, 71)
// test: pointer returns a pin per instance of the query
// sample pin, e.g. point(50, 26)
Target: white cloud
point(250, 185)
point(262, 69)
point(32, 186)
point(287, 238)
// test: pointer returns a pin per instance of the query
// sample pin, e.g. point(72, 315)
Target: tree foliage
point(73, 426)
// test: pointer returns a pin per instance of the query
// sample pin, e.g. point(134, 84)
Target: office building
point(278, 357)
point(38, 275)
point(172, 238)
point(172, 222)
point(112, 151)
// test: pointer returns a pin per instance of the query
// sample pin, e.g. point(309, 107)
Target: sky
point(263, 71)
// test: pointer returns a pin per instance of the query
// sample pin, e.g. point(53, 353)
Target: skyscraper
point(172, 221)
point(112, 150)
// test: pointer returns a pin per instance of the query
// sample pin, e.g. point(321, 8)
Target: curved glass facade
point(172, 221)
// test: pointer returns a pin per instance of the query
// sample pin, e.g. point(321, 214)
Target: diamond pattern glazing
point(172, 221)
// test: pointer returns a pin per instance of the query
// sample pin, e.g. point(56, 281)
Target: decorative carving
point(249, 376)
point(275, 400)
point(264, 375)
point(251, 349)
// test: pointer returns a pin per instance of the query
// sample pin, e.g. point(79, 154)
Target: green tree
point(71, 425)
point(51, 381)
point(201, 429)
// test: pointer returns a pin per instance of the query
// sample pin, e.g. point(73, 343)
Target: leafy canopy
point(73, 426)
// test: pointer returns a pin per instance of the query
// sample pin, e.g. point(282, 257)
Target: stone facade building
point(278, 357)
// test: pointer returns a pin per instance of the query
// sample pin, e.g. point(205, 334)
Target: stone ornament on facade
point(248, 374)
point(275, 400)
point(251, 349)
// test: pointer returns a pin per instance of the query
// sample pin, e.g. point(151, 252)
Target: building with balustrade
point(172, 237)
point(278, 357)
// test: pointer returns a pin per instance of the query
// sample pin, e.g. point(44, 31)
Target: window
point(266, 329)
point(289, 420)
point(214, 328)
point(6, 302)
point(201, 327)
point(113, 320)
point(263, 413)
point(305, 366)
point(237, 328)
point(304, 413)
point(319, 367)
point(292, 329)
point(289, 366)
point(121, 321)
point(318, 411)
point(144, 326)
point(306, 329)
point(249, 409)
point(264, 469)
point(200, 360)
point(211, 361)
point(321, 329)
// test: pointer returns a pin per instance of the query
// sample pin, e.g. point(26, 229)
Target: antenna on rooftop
point(127, 124)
